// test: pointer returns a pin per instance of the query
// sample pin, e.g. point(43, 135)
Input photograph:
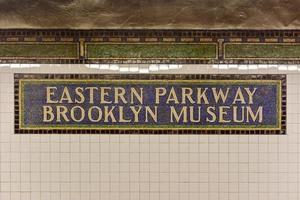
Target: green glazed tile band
point(37, 50)
point(269, 51)
point(151, 51)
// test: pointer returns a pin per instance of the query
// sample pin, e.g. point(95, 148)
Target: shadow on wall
point(200, 14)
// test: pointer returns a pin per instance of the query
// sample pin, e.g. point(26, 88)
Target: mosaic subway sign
point(108, 103)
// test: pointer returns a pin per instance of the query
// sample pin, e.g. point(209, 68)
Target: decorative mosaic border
point(189, 77)
point(108, 46)
point(23, 82)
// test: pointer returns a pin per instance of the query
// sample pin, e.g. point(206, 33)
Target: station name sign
point(98, 104)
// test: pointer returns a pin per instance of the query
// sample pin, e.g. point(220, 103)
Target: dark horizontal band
point(150, 46)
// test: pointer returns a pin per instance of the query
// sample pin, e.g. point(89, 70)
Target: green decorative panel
point(38, 50)
point(151, 51)
point(263, 51)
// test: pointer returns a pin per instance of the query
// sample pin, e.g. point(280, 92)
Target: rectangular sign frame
point(20, 79)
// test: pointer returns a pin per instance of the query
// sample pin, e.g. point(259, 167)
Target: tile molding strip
point(18, 77)
point(219, 38)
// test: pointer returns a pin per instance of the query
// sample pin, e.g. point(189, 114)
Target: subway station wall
point(149, 167)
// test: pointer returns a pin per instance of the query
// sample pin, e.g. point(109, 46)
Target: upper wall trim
point(149, 46)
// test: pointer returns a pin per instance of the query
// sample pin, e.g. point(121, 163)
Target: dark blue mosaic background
point(266, 95)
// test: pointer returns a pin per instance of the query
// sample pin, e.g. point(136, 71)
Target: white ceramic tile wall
point(148, 167)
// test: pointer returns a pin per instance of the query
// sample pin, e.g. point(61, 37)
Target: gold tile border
point(133, 39)
point(187, 40)
point(48, 39)
point(169, 39)
point(236, 39)
point(96, 39)
point(151, 39)
point(124, 81)
point(64, 39)
point(114, 39)
point(289, 40)
point(206, 39)
point(252, 40)
point(12, 39)
point(30, 39)
point(271, 40)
